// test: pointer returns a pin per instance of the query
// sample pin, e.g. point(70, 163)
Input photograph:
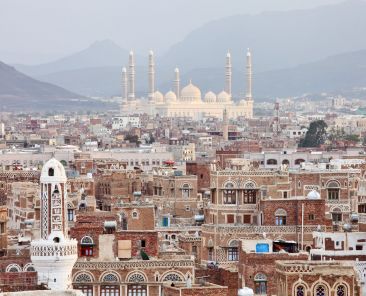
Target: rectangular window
point(86, 289)
point(210, 254)
point(285, 193)
point(70, 215)
point(280, 220)
point(232, 254)
point(247, 219)
point(250, 196)
point(333, 194)
point(229, 196)
point(311, 217)
point(143, 243)
point(194, 250)
point(230, 219)
point(86, 251)
point(337, 217)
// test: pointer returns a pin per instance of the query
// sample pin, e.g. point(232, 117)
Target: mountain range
point(294, 52)
point(21, 92)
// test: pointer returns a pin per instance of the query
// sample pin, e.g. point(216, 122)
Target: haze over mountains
point(294, 52)
point(19, 91)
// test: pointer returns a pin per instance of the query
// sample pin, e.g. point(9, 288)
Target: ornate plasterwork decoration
point(13, 268)
point(148, 264)
point(172, 277)
point(136, 278)
point(44, 201)
point(83, 278)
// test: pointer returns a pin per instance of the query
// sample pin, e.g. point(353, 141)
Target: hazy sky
point(34, 31)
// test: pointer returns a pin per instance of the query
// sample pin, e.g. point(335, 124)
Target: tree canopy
point(316, 134)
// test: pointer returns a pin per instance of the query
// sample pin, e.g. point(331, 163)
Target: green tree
point(316, 134)
point(352, 138)
point(133, 139)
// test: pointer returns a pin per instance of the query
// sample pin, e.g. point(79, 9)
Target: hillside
point(21, 92)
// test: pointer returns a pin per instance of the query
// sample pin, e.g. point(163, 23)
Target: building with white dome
point(188, 101)
point(54, 254)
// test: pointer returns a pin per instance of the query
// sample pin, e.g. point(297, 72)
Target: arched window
point(285, 161)
point(29, 267)
point(300, 290)
point(280, 217)
point(341, 290)
point(333, 189)
point(110, 278)
point(272, 161)
point(337, 215)
point(260, 284)
point(321, 290)
point(83, 283)
point(136, 278)
point(250, 193)
point(299, 161)
point(135, 214)
point(110, 286)
point(172, 277)
point(86, 240)
point(83, 278)
point(232, 252)
point(13, 268)
point(86, 246)
point(229, 194)
point(51, 172)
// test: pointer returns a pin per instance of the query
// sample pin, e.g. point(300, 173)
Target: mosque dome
point(223, 97)
point(210, 97)
point(190, 93)
point(158, 97)
point(242, 102)
point(53, 171)
point(170, 96)
point(313, 194)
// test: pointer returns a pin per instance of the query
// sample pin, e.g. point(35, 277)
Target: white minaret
point(249, 76)
point(131, 76)
point(124, 83)
point(177, 83)
point(54, 254)
point(228, 74)
point(151, 76)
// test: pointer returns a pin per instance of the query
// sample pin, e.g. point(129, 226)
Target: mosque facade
point(188, 101)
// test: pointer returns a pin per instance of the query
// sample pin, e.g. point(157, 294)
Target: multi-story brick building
point(317, 278)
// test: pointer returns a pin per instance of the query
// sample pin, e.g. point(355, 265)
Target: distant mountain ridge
point(14, 84)
point(21, 92)
point(278, 40)
point(290, 51)
point(99, 54)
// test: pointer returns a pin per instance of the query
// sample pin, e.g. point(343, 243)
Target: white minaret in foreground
point(177, 83)
point(131, 76)
point(151, 76)
point(228, 74)
point(249, 76)
point(54, 254)
point(124, 83)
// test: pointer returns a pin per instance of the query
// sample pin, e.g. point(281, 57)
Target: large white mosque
point(188, 101)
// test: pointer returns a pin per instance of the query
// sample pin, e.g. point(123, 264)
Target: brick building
point(316, 278)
